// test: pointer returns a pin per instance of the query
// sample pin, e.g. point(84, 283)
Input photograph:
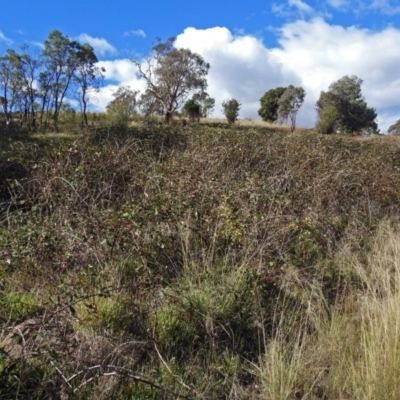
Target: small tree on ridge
point(289, 104)
point(231, 108)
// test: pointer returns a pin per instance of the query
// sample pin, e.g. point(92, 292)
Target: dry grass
point(349, 350)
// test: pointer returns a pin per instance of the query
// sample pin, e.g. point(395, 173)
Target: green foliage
point(123, 107)
point(36, 86)
point(352, 113)
point(231, 109)
point(172, 74)
point(192, 110)
point(289, 104)
point(207, 106)
point(88, 76)
point(327, 122)
point(270, 104)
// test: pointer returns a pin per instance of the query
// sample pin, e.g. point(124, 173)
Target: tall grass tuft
point(347, 350)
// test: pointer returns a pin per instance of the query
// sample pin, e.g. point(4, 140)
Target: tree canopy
point(192, 109)
point(41, 83)
point(269, 104)
point(289, 104)
point(344, 108)
point(123, 106)
point(172, 74)
point(231, 108)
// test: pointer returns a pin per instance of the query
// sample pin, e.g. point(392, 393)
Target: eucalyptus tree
point(270, 104)
point(18, 77)
point(123, 106)
point(344, 108)
point(10, 82)
point(88, 76)
point(290, 103)
point(60, 62)
point(172, 74)
point(28, 71)
point(207, 106)
point(149, 105)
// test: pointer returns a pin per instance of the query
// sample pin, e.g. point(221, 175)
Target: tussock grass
point(348, 350)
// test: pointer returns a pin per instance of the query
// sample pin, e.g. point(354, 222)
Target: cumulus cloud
point(241, 66)
point(312, 54)
point(322, 53)
point(138, 32)
point(118, 73)
point(100, 45)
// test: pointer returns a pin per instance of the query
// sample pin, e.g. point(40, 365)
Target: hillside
point(203, 262)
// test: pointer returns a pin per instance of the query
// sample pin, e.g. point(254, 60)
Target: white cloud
point(386, 6)
point(4, 38)
point(293, 8)
point(322, 53)
point(241, 67)
point(100, 45)
point(121, 73)
point(301, 6)
point(137, 32)
point(312, 54)
point(122, 70)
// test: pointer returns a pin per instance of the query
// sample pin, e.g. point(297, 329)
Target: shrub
point(231, 108)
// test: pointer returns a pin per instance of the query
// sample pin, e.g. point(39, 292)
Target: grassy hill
point(203, 262)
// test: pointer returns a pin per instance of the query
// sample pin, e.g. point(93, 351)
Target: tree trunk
point(168, 118)
point(84, 111)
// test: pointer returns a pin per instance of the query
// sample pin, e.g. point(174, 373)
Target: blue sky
point(252, 46)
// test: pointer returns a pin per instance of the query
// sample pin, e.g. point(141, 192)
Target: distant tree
point(88, 76)
point(192, 109)
point(11, 81)
point(351, 111)
point(270, 104)
point(60, 62)
point(5, 86)
point(395, 128)
point(30, 67)
point(150, 105)
point(207, 106)
point(172, 74)
point(123, 107)
point(289, 104)
point(231, 108)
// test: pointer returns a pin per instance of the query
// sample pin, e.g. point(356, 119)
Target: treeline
point(36, 86)
point(342, 109)
point(66, 69)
